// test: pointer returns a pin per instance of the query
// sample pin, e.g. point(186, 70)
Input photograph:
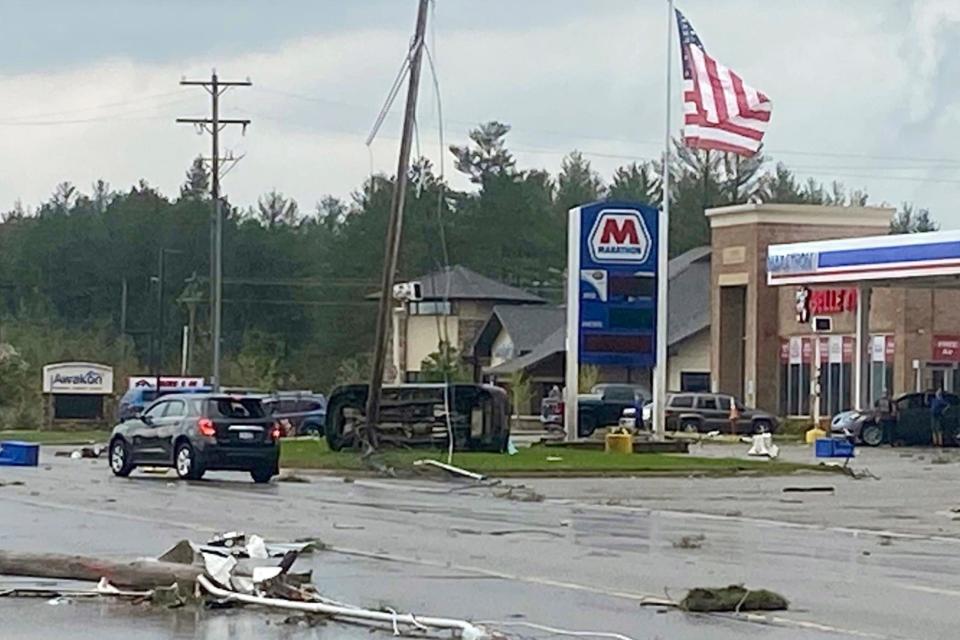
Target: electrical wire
point(555, 630)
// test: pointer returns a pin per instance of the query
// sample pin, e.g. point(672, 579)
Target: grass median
point(538, 461)
point(56, 437)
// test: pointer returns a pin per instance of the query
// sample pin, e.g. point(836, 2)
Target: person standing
point(937, 408)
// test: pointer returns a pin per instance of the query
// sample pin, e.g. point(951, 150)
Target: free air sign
point(620, 236)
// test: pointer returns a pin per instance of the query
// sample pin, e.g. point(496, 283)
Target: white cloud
point(843, 80)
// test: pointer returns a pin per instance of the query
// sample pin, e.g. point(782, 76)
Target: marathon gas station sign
point(612, 288)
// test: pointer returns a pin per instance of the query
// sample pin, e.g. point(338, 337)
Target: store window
point(795, 376)
point(881, 366)
point(836, 374)
point(430, 308)
point(694, 381)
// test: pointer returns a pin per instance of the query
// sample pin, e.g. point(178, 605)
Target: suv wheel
point(262, 474)
point(871, 434)
point(120, 458)
point(689, 426)
point(186, 463)
point(312, 429)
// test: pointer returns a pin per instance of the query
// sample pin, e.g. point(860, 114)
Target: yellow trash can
point(618, 443)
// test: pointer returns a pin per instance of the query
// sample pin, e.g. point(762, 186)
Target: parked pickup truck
point(602, 407)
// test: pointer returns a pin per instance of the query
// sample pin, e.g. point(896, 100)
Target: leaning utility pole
point(213, 125)
point(368, 432)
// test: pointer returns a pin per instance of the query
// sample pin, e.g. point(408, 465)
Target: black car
point(197, 433)
point(704, 412)
point(911, 422)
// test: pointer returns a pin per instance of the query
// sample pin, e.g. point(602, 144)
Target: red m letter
point(623, 233)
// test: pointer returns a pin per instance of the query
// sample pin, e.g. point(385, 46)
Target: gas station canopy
point(915, 260)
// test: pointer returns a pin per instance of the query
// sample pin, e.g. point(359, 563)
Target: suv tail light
point(206, 428)
point(275, 431)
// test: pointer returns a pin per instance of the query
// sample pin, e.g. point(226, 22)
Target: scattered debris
point(505, 532)
point(12, 483)
point(809, 489)
point(690, 542)
point(859, 475)
point(761, 445)
point(292, 477)
point(519, 493)
point(449, 468)
point(170, 597)
point(306, 620)
point(886, 541)
point(348, 527)
point(941, 459)
point(735, 598)
point(554, 458)
point(348, 480)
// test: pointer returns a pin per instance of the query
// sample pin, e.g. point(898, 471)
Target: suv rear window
point(235, 408)
point(681, 401)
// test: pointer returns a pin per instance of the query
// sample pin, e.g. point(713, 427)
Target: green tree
point(275, 209)
point(577, 183)
point(197, 184)
point(488, 157)
point(444, 365)
point(911, 220)
point(638, 182)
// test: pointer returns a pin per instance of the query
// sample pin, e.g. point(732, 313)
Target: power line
point(106, 105)
point(214, 125)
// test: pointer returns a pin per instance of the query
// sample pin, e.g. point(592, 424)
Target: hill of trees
point(295, 313)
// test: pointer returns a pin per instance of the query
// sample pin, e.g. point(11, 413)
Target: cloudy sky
point(864, 91)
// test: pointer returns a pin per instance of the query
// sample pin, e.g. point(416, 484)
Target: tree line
point(296, 307)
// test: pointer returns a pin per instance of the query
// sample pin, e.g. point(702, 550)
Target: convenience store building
point(802, 294)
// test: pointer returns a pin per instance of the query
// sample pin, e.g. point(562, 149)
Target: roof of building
point(688, 310)
point(552, 344)
point(688, 304)
point(527, 325)
point(459, 283)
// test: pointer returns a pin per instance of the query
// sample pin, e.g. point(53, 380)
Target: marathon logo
point(793, 263)
point(620, 235)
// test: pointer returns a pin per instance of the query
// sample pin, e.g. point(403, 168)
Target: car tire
point(262, 475)
point(120, 458)
point(871, 434)
point(312, 429)
point(688, 425)
point(185, 462)
point(762, 426)
point(335, 429)
point(587, 426)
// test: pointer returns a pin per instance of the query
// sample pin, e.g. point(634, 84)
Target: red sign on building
point(946, 348)
point(827, 301)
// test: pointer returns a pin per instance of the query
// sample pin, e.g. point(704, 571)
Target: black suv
point(705, 412)
point(196, 433)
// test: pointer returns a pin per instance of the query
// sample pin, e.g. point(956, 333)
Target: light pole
point(161, 261)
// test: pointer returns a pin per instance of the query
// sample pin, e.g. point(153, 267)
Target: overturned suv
point(197, 433)
point(424, 415)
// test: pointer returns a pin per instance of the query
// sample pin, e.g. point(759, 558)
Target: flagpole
point(663, 247)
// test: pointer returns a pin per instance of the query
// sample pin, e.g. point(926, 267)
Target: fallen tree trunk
point(138, 574)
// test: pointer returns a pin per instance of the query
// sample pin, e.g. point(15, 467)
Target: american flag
point(720, 110)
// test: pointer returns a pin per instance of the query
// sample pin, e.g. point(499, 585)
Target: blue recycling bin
point(19, 454)
point(833, 448)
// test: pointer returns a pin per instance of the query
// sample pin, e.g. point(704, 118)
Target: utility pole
point(368, 432)
point(214, 125)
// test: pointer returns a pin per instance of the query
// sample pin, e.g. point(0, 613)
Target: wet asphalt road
point(872, 559)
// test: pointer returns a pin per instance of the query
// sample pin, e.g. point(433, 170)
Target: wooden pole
point(368, 431)
point(139, 574)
